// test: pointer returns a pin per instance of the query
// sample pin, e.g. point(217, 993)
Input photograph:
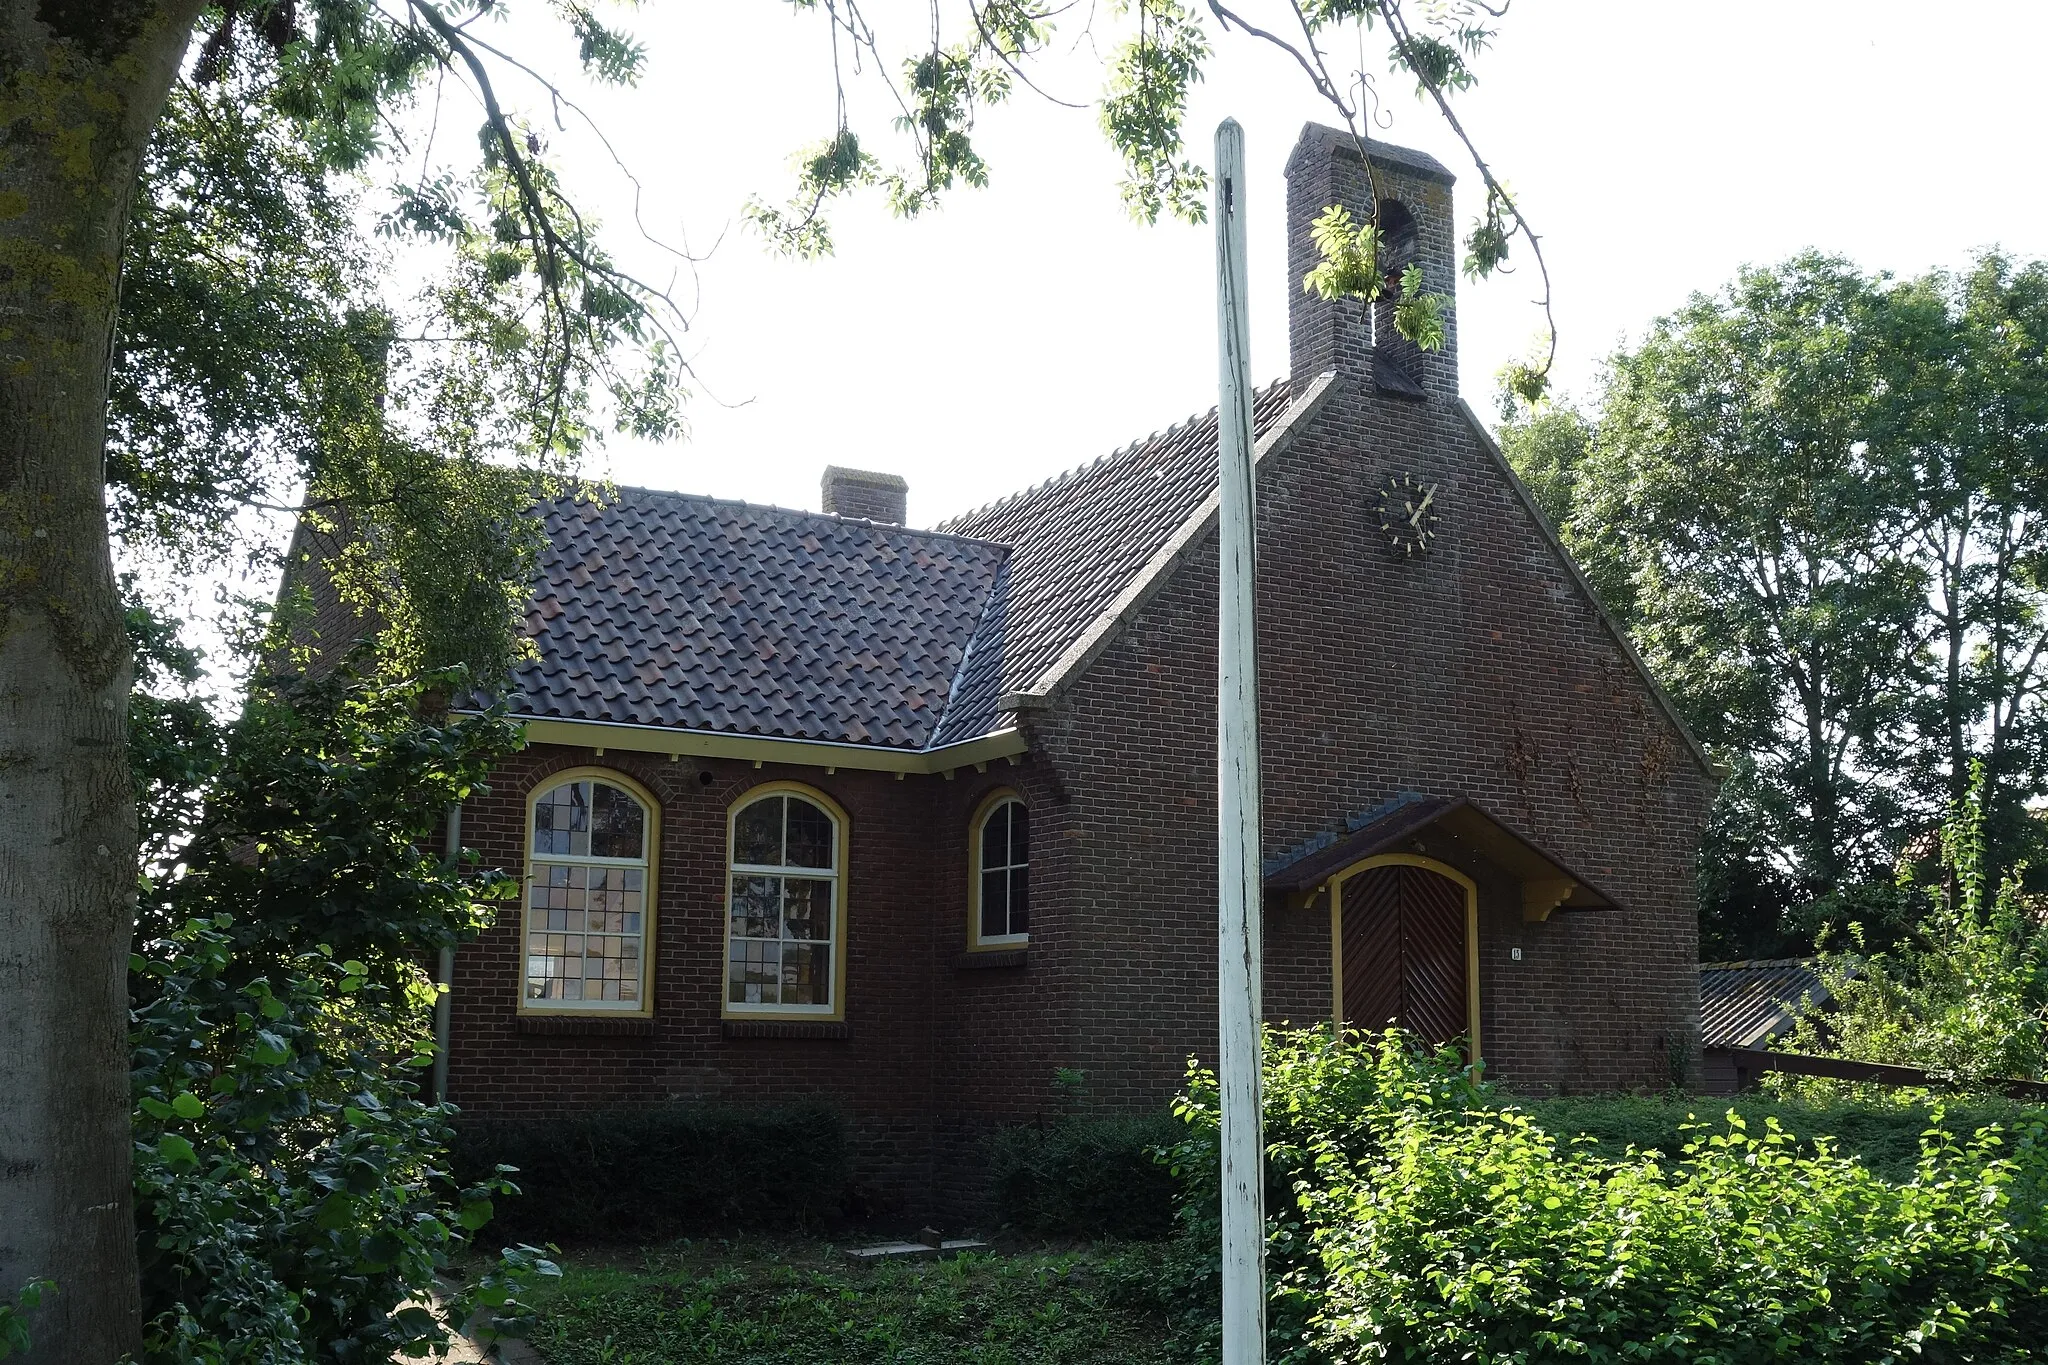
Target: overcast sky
point(1031, 326)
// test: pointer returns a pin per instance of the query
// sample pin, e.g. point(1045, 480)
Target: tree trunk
point(81, 84)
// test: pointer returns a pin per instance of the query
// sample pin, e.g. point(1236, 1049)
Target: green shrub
point(292, 1200)
point(655, 1173)
point(1086, 1177)
point(1425, 1219)
point(1965, 997)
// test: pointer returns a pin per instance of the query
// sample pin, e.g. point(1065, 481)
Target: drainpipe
point(445, 976)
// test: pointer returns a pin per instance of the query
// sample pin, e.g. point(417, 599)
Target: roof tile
point(655, 608)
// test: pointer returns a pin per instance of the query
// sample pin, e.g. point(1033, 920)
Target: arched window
point(1400, 245)
point(999, 910)
point(784, 930)
point(588, 901)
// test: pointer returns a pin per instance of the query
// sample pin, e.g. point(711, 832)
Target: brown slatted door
point(1433, 959)
point(1372, 949)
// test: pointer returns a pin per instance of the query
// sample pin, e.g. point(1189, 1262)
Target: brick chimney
point(864, 493)
point(1416, 224)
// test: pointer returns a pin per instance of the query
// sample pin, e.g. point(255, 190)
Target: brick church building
point(820, 805)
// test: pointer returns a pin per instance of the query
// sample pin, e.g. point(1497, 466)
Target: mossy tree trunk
point(81, 84)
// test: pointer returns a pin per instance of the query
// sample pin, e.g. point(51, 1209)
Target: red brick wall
point(1479, 670)
point(912, 1016)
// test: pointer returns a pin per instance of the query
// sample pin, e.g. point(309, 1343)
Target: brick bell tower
point(1416, 224)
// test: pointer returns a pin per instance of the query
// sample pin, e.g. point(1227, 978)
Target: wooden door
point(1404, 954)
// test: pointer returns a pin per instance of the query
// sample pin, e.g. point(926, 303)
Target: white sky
point(1031, 326)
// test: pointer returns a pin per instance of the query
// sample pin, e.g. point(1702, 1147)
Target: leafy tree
point(201, 161)
point(291, 1192)
point(1817, 502)
point(1742, 514)
point(1966, 996)
point(1967, 409)
point(1547, 447)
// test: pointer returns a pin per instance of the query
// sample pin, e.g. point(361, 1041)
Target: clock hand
point(1415, 517)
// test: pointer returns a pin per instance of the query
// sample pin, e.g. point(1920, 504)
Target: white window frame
point(650, 843)
point(835, 1007)
point(977, 831)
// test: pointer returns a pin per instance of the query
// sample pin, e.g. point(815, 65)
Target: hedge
point(1882, 1133)
point(651, 1174)
point(1086, 1177)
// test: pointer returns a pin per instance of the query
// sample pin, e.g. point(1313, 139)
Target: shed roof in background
point(1748, 1003)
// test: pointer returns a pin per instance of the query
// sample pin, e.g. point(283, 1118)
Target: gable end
point(1607, 621)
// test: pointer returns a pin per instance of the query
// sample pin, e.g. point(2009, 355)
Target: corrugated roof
point(1745, 1004)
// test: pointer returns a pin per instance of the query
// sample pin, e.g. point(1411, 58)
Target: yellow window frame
point(987, 806)
point(842, 841)
point(652, 806)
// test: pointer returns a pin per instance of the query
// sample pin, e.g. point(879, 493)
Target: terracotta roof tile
point(664, 609)
point(655, 608)
point(1076, 541)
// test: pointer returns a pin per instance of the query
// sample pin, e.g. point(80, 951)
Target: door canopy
point(1452, 829)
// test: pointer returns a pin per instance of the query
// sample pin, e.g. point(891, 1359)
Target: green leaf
point(177, 1151)
point(188, 1105)
point(475, 1213)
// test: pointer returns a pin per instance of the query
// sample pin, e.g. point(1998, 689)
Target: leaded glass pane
point(1020, 834)
point(756, 907)
point(806, 908)
point(754, 972)
point(561, 821)
point(558, 897)
point(806, 973)
point(780, 927)
point(757, 833)
point(810, 835)
point(618, 823)
point(585, 923)
point(1020, 900)
point(995, 910)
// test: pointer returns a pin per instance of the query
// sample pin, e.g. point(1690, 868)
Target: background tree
point(1967, 409)
point(203, 160)
point(1742, 516)
point(1816, 501)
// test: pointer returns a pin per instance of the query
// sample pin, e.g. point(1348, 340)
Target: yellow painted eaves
point(656, 739)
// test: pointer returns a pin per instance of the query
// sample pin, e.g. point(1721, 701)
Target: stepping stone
point(912, 1251)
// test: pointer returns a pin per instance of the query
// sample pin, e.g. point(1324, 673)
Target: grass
point(1881, 1131)
point(741, 1302)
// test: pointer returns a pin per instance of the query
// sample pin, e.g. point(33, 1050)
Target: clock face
point(1408, 513)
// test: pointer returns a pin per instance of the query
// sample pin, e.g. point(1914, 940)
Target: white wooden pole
point(445, 975)
point(1237, 786)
